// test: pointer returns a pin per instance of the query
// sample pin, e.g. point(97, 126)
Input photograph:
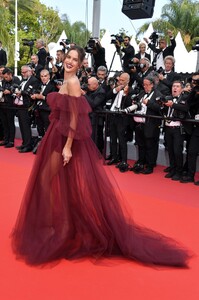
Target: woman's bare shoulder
point(73, 86)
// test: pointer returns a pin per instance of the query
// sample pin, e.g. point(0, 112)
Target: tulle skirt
point(78, 211)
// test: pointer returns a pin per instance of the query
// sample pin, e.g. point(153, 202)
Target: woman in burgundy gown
point(71, 207)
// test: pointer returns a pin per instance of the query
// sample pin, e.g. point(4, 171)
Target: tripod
point(113, 61)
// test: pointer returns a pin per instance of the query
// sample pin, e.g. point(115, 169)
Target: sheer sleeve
point(72, 114)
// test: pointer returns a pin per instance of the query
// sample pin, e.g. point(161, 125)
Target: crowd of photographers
point(140, 101)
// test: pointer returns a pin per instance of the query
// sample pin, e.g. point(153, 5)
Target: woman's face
point(71, 62)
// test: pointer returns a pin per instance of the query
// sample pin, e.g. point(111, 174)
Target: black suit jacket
point(138, 55)
point(169, 50)
point(152, 125)
point(97, 100)
point(3, 58)
point(50, 87)
point(32, 84)
point(42, 54)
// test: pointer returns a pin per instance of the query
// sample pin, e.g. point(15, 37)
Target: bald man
point(96, 97)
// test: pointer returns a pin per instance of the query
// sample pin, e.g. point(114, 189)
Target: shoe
point(170, 174)
point(196, 182)
point(167, 170)
point(147, 171)
point(25, 149)
point(109, 157)
point(137, 168)
point(187, 179)
point(9, 145)
point(113, 161)
point(123, 167)
point(19, 147)
point(3, 143)
point(118, 165)
point(34, 151)
point(176, 177)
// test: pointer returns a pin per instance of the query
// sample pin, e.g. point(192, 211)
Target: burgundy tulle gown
point(77, 210)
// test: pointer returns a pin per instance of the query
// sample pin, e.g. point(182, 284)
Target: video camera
point(153, 37)
point(65, 42)
point(29, 43)
point(115, 38)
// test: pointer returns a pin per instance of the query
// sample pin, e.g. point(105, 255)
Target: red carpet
point(162, 204)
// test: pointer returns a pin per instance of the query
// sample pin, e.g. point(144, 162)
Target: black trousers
point(42, 121)
point(175, 142)
point(7, 116)
point(193, 151)
point(118, 127)
point(25, 126)
point(147, 146)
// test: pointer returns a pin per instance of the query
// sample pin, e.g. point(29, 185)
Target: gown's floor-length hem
point(78, 210)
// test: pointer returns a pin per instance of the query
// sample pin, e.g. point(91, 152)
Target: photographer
point(163, 50)
point(175, 106)
point(42, 53)
point(128, 51)
point(142, 52)
point(96, 97)
point(98, 53)
point(139, 70)
point(41, 109)
point(57, 68)
point(34, 64)
point(193, 149)
point(147, 129)
point(119, 122)
point(166, 76)
point(8, 111)
point(23, 103)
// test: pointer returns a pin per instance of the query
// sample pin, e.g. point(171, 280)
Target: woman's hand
point(67, 154)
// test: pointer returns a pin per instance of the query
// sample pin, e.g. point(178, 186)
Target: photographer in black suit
point(176, 106)
point(23, 103)
point(99, 55)
point(42, 53)
point(147, 130)
point(193, 149)
point(163, 50)
point(142, 52)
point(128, 52)
point(167, 76)
point(9, 86)
point(34, 64)
point(121, 99)
point(96, 97)
point(41, 109)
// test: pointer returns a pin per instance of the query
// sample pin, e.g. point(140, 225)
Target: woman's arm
point(73, 89)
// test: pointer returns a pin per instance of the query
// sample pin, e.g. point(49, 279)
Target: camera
point(165, 99)
point(64, 42)
point(160, 70)
point(31, 65)
point(90, 45)
point(58, 82)
point(49, 59)
point(29, 43)
point(115, 38)
point(133, 65)
point(196, 47)
point(153, 37)
point(30, 91)
point(84, 83)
